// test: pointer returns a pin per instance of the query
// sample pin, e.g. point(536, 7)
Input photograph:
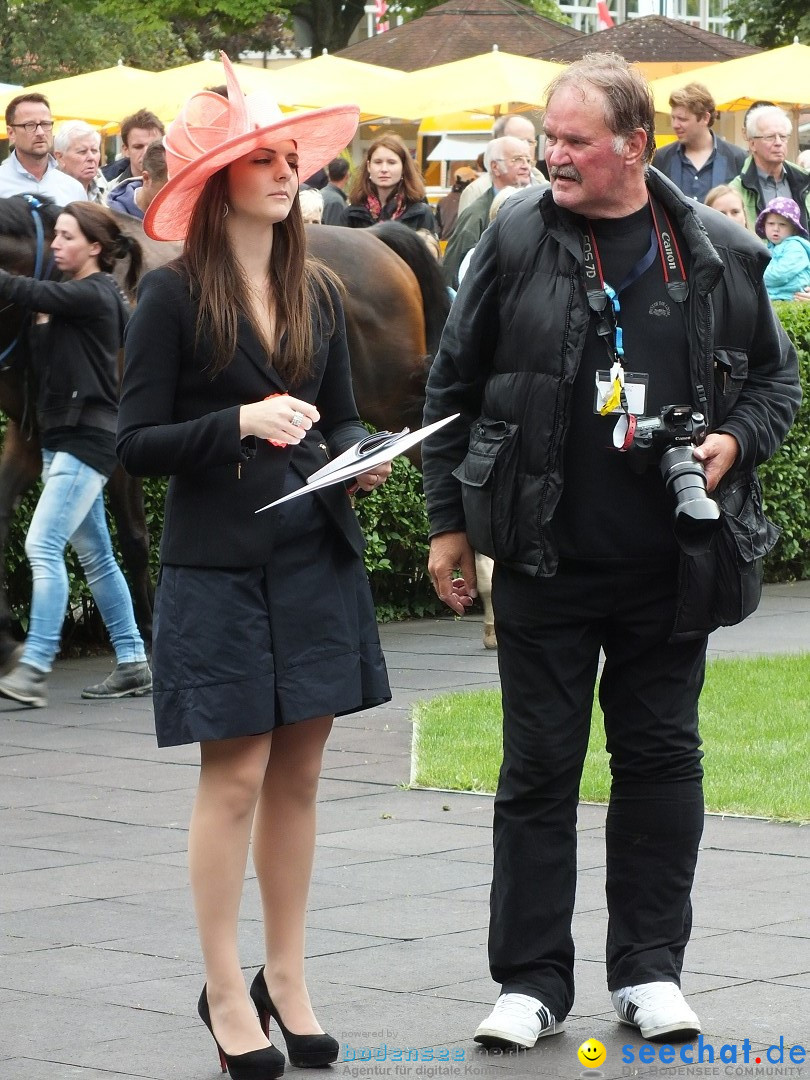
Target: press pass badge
point(606, 397)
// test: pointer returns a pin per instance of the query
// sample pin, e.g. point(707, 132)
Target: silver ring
point(297, 419)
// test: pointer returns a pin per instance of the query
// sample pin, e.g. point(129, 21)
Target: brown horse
point(395, 307)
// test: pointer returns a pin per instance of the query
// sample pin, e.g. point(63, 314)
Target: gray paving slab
point(100, 963)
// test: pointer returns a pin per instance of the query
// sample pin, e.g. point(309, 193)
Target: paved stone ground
point(100, 964)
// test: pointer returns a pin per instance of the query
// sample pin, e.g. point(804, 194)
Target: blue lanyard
point(663, 243)
point(641, 267)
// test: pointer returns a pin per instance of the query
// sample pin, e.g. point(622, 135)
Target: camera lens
point(696, 515)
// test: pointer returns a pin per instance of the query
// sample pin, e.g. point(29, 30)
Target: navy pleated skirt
point(240, 652)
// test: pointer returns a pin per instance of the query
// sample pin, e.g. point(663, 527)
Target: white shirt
point(16, 180)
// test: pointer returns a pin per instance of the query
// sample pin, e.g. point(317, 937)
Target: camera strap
point(603, 300)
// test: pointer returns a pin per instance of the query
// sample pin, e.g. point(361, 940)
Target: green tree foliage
point(770, 23)
point(331, 21)
point(50, 39)
point(413, 9)
point(206, 25)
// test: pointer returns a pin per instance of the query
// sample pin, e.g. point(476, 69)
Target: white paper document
point(374, 450)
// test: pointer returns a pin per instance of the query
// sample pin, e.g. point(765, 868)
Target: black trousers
point(550, 631)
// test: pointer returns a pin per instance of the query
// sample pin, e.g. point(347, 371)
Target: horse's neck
point(155, 252)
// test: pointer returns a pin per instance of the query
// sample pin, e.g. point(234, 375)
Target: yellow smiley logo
point(592, 1054)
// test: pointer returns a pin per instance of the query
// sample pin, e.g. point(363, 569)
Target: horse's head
point(26, 228)
point(26, 231)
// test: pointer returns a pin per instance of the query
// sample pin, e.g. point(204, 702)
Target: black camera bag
point(723, 586)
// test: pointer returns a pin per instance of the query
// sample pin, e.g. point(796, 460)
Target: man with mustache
point(587, 307)
point(30, 167)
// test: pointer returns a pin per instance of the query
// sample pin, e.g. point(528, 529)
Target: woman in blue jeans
point(75, 338)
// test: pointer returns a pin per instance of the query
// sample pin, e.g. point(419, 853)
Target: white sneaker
point(657, 1009)
point(517, 1020)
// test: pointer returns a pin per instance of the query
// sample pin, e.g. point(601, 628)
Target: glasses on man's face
point(775, 138)
point(31, 126)
point(517, 160)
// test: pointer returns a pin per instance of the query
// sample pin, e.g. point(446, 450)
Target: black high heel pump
point(304, 1051)
point(265, 1064)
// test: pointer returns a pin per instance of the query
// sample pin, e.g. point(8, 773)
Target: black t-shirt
point(90, 445)
point(607, 510)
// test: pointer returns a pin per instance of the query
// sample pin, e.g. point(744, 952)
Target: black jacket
point(75, 356)
point(512, 347)
point(417, 215)
point(334, 205)
point(175, 419)
point(728, 162)
point(470, 223)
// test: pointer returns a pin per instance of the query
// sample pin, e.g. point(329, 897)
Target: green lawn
point(755, 723)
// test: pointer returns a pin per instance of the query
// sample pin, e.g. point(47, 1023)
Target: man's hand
point(717, 454)
point(450, 552)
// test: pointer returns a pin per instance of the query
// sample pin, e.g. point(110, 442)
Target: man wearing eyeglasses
point(508, 165)
point(518, 127)
point(767, 174)
point(31, 167)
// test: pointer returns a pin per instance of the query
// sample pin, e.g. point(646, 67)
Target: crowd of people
point(237, 386)
point(387, 185)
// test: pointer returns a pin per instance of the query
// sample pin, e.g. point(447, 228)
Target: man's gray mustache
point(566, 172)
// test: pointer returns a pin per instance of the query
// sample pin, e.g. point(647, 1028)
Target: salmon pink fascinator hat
point(211, 131)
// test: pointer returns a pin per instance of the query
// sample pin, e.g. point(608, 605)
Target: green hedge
point(395, 523)
point(786, 477)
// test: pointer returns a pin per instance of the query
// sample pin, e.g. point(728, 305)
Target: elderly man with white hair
point(508, 164)
point(77, 149)
point(767, 174)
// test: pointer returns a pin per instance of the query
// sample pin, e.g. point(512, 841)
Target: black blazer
point(175, 419)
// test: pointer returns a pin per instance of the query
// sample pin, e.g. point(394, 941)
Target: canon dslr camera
point(671, 437)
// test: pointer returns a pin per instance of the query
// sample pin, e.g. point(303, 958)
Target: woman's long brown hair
point(296, 280)
point(98, 225)
point(412, 185)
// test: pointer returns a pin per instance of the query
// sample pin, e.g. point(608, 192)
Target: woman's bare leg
point(231, 775)
point(283, 850)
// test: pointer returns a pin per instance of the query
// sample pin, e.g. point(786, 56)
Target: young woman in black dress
point(237, 385)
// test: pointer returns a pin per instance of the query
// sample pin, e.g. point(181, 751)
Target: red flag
point(605, 19)
point(380, 8)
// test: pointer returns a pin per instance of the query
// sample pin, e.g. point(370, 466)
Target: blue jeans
point(71, 508)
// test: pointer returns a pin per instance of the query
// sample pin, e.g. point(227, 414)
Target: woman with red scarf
point(388, 187)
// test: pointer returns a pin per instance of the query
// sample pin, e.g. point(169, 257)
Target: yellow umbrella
point(331, 80)
point(101, 97)
point(778, 75)
point(492, 82)
point(168, 90)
